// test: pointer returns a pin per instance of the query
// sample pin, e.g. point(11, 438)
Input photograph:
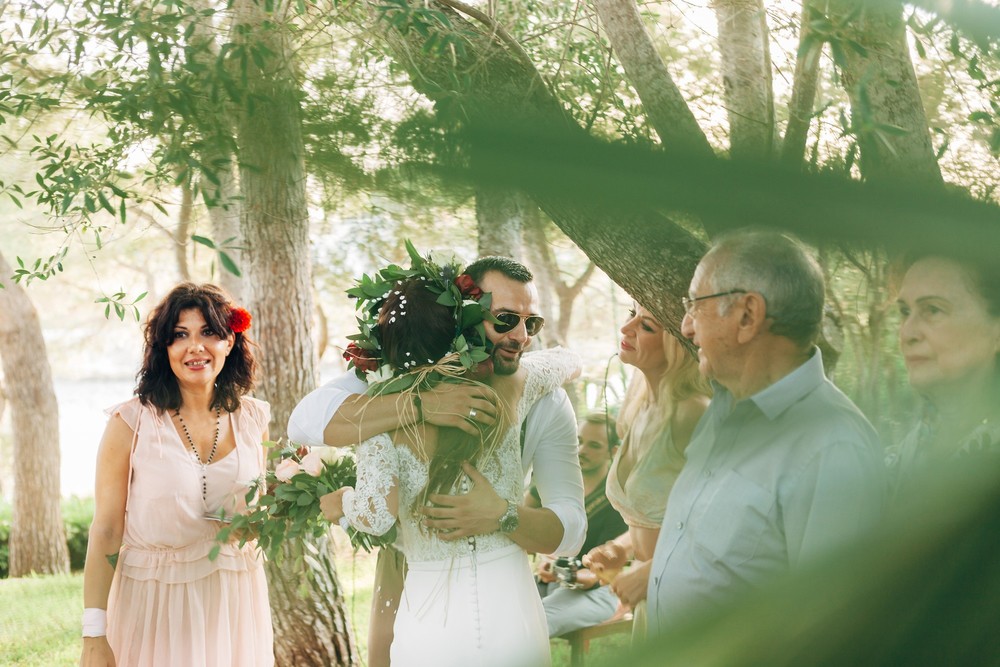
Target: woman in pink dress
point(180, 453)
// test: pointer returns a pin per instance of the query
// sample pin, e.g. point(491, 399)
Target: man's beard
point(504, 366)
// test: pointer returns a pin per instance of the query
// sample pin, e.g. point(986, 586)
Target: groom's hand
point(475, 513)
point(458, 406)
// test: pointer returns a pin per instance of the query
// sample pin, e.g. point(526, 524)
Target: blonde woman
point(664, 402)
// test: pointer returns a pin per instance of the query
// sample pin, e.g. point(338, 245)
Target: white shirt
point(550, 449)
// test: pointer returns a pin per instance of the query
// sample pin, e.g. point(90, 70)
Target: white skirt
point(482, 610)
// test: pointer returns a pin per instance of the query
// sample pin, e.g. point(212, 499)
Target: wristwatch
point(509, 520)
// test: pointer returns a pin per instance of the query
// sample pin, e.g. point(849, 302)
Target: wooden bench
point(579, 640)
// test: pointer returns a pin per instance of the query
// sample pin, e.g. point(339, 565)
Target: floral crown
point(441, 275)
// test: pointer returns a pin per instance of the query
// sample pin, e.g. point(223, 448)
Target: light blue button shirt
point(770, 482)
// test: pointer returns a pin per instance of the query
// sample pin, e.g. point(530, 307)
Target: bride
point(470, 601)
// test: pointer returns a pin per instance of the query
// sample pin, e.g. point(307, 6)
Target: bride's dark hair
point(416, 331)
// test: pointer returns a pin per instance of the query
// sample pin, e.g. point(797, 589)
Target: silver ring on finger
point(472, 413)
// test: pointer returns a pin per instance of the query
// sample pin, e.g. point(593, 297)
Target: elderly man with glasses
point(783, 466)
point(339, 414)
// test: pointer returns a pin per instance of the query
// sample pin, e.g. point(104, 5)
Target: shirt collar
point(789, 390)
point(792, 388)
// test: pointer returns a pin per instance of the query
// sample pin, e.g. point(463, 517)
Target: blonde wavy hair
point(679, 382)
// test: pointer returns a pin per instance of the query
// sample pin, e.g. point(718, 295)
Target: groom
point(339, 414)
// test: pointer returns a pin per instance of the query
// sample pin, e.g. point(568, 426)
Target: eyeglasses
point(689, 302)
point(532, 323)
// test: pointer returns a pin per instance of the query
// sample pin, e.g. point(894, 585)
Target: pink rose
point(286, 470)
point(312, 463)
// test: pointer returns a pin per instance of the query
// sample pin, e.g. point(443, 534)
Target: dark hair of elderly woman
point(157, 384)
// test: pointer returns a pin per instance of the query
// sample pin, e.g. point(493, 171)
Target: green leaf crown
point(470, 309)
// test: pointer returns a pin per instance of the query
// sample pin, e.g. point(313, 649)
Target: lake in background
point(81, 424)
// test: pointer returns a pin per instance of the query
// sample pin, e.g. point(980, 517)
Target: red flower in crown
point(364, 360)
point(468, 287)
point(239, 320)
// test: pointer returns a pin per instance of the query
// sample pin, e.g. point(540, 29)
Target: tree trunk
point(183, 233)
point(539, 257)
point(560, 296)
point(886, 108)
point(304, 589)
point(221, 191)
point(224, 214)
point(310, 629)
point(654, 258)
point(800, 106)
point(37, 536)
point(746, 77)
point(499, 218)
point(662, 101)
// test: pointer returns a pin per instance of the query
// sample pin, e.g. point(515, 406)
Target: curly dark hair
point(156, 384)
point(413, 326)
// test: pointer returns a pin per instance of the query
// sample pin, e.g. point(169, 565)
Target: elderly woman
point(950, 339)
point(172, 459)
point(664, 402)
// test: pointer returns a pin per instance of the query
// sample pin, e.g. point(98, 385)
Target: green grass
point(40, 618)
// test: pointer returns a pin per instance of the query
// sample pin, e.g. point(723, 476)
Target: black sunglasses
point(507, 321)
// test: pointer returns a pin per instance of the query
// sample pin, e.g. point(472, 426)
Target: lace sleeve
point(371, 507)
point(549, 369)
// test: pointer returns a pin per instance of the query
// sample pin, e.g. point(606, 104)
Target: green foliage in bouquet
point(284, 503)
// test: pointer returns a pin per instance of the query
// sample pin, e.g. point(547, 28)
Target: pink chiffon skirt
point(171, 608)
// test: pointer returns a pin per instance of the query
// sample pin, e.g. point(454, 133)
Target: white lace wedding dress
point(469, 602)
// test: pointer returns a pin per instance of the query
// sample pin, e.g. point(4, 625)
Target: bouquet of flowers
point(284, 503)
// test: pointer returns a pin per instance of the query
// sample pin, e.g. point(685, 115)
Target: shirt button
point(708, 473)
point(680, 525)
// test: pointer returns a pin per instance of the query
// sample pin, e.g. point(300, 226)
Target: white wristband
point(95, 622)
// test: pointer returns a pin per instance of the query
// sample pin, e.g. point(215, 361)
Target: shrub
point(77, 514)
point(5, 512)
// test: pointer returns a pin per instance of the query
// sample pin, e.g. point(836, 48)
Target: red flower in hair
point(468, 287)
point(364, 360)
point(239, 320)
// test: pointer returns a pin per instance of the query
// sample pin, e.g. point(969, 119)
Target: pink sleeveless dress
point(169, 604)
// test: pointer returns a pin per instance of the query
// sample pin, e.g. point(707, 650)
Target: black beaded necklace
point(194, 450)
